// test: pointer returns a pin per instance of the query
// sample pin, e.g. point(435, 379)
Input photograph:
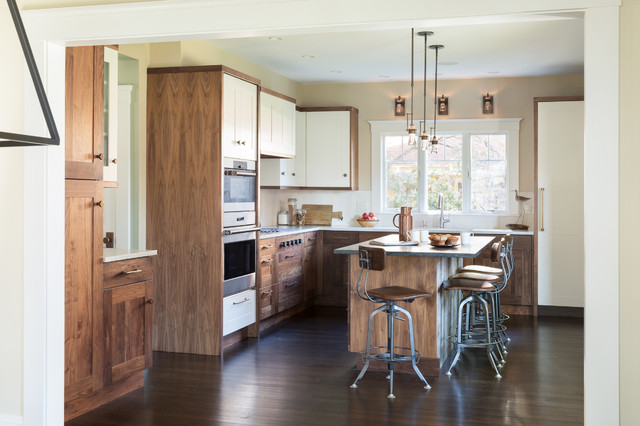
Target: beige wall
point(11, 223)
point(513, 98)
point(629, 208)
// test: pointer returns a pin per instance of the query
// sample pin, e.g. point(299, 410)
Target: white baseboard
point(6, 420)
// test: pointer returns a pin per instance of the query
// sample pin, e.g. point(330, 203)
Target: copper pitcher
point(406, 223)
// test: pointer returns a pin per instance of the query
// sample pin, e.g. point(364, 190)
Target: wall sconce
point(399, 108)
point(487, 104)
point(443, 105)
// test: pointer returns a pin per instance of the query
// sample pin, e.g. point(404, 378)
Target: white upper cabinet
point(239, 122)
point(329, 149)
point(277, 126)
point(326, 152)
point(275, 172)
point(110, 136)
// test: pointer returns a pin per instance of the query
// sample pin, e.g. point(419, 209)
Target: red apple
point(365, 216)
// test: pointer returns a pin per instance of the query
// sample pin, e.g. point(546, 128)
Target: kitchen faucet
point(441, 206)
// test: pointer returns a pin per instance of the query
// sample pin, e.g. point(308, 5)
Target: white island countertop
point(426, 250)
point(114, 255)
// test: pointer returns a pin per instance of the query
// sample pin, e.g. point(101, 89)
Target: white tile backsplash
point(351, 204)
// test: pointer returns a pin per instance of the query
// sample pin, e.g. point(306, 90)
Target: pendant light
point(411, 128)
point(424, 137)
point(434, 139)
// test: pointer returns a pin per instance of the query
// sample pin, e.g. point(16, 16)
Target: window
point(474, 167)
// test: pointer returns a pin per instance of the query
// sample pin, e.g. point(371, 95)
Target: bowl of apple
point(367, 220)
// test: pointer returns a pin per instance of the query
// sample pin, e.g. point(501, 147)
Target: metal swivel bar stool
point(480, 272)
point(478, 292)
point(374, 259)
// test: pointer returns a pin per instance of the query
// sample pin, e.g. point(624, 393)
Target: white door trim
point(198, 19)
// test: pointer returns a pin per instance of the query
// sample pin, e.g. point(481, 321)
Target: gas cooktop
point(271, 230)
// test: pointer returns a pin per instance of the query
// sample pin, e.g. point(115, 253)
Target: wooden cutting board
point(320, 214)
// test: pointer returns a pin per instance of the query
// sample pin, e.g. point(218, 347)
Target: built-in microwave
point(239, 185)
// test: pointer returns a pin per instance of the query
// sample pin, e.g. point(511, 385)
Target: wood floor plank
point(300, 374)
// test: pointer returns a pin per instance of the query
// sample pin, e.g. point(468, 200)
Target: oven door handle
point(250, 174)
point(239, 231)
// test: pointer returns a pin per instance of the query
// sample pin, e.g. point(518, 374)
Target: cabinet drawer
point(522, 242)
point(238, 311)
point(340, 237)
point(268, 299)
point(127, 272)
point(289, 294)
point(267, 246)
point(266, 264)
point(310, 239)
point(289, 265)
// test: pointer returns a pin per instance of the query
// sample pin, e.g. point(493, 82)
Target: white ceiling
point(516, 46)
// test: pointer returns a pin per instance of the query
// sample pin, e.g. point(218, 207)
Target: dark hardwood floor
point(300, 374)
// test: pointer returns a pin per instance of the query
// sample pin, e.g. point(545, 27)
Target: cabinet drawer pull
point(266, 247)
point(264, 262)
point(264, 293)
point(290, 257)
point(150, 301)
point(240, 302)
point(289, 285)
point(133, 271)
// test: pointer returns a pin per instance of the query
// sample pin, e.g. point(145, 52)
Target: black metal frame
point(16, 139)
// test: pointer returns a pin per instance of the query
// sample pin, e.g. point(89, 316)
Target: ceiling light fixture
point(411, 128)
point(308, 56)
point(424, 137)
point(434, 138)
point(275, 38)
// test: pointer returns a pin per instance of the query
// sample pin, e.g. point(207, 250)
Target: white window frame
point(510, 126)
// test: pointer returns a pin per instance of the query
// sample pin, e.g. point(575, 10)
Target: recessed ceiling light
point(383, 76)
point(308, 56)
point(449, 63)
point(275, 38)
point(493, 72)
point(336, 71)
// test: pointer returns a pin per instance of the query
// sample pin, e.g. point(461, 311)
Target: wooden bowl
point(367, 223)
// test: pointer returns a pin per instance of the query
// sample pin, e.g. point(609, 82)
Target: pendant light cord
point(412, 36)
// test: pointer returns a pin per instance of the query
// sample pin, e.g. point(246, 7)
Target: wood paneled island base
point(421, 267)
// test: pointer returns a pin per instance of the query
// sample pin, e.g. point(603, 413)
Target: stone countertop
point(292, 230)
point(425, 250)
point(113, 255)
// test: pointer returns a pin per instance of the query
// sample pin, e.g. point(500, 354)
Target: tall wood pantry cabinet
point(107, 323)
point(193, 115)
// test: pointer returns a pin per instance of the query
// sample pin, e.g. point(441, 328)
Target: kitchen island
point(422, 267)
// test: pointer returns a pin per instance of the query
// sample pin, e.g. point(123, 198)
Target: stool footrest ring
point(400, 354)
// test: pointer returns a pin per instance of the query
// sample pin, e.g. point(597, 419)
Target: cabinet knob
point(106, 240)
point(345, 175)
point(99, 156)
point(243, 142)
point(150, 301)
point(114, 161)
point(282, 173)
point(100, 203)
point(293, 174)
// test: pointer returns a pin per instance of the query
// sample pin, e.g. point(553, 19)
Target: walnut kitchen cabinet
point(267, 289)
point(84, 112)
point(517, 296)
point(84, 361)
point(128, 319)
point(333, 289)
point(310, 266)
point(191, 112)
point(277, 125)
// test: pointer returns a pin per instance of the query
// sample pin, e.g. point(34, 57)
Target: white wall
point(11, 226)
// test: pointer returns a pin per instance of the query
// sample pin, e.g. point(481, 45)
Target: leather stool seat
point(397, 293)
point(482, 269)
